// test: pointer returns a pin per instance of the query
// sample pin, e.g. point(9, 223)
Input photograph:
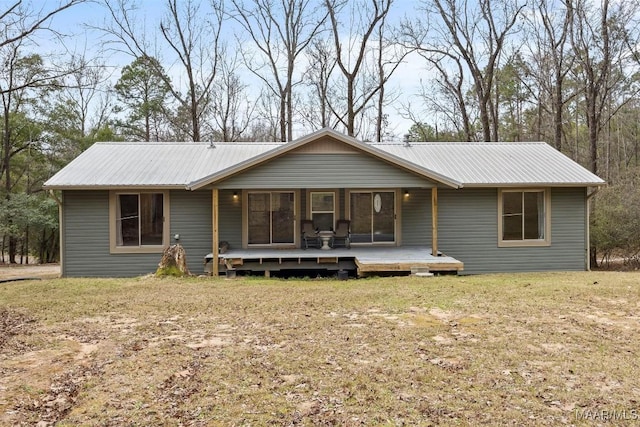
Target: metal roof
point(495, 163)
point(145, 164)
point(192, 165)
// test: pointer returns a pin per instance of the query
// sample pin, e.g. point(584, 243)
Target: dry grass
point(535, 349)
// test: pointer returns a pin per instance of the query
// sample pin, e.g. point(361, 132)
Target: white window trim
point(547, 220)
point(336, 204)
point(144, 249)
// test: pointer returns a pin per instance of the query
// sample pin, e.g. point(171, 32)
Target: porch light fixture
point(406, 194)
point(235, 195)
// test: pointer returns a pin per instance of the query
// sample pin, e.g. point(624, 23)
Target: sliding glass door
point(271, 218)
point(372, 216)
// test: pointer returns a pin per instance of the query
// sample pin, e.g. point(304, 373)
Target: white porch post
point(434, 221)
point(215, 271)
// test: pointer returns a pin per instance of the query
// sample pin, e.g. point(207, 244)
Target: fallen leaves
point(13, 324)
point(60, 398)
point(402, 351)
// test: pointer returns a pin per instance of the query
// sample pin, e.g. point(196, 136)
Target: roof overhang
point(113, 187)
point(536, 184)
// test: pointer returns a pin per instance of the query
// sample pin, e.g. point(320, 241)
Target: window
point(373, 216)
point(138, 222)
point(524, 218)
point(323, 208)
point(271, 218)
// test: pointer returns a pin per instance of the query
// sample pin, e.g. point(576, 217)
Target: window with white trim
point(323, 209)
point(524, 217)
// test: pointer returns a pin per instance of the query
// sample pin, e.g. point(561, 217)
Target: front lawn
point(525, 349)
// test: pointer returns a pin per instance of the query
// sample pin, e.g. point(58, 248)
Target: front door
point(372, 216)
point(271, 218)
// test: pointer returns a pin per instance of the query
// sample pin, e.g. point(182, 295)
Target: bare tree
point(268, 126)
point(365, 18)
point(464, 43)
point(551, 61)
point(444, 96)
point(19, 21)
point(20, 73)
point(600, 41)
point(84, 88)
point(320, 56)
point(390, 55)
point(232, 110)
point(193, 35)
point(280, 33)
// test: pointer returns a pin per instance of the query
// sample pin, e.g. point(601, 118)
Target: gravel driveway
point(44, 271)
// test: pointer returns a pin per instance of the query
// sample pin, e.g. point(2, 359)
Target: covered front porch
point(358, 260)
point(391, 230)
point(263, 210)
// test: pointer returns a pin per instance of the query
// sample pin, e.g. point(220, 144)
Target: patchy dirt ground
point(553, 349)
point(18, 271)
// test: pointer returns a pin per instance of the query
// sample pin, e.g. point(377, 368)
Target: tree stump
point(173, 262)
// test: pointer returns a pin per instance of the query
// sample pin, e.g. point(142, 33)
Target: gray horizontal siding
point(86, 240)
point(325, 171)
point(416, 218)
point(191, 218)
point(230, 218)
point(84, 214)
point(468, 231)
point(468, 227)
point(86, 235)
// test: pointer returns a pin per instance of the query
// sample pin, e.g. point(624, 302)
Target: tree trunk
point(147, 128)
point(379, 119)
point(6, 140)
point(289, 94)
point(13, 250)
point(351, 115)
point(593, 135)
point(557, 116)
point(283, 117)
point(195, 125)
point(484, 119)
point(25, 247)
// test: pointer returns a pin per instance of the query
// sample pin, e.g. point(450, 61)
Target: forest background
point(80, 71)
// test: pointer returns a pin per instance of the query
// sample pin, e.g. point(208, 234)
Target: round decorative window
point(377, 203)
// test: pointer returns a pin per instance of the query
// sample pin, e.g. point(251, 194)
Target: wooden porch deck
point(363, 260)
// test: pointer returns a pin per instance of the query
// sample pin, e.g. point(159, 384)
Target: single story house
point(436, 206)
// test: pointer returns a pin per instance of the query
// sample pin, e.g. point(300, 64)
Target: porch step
point(421, 272)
